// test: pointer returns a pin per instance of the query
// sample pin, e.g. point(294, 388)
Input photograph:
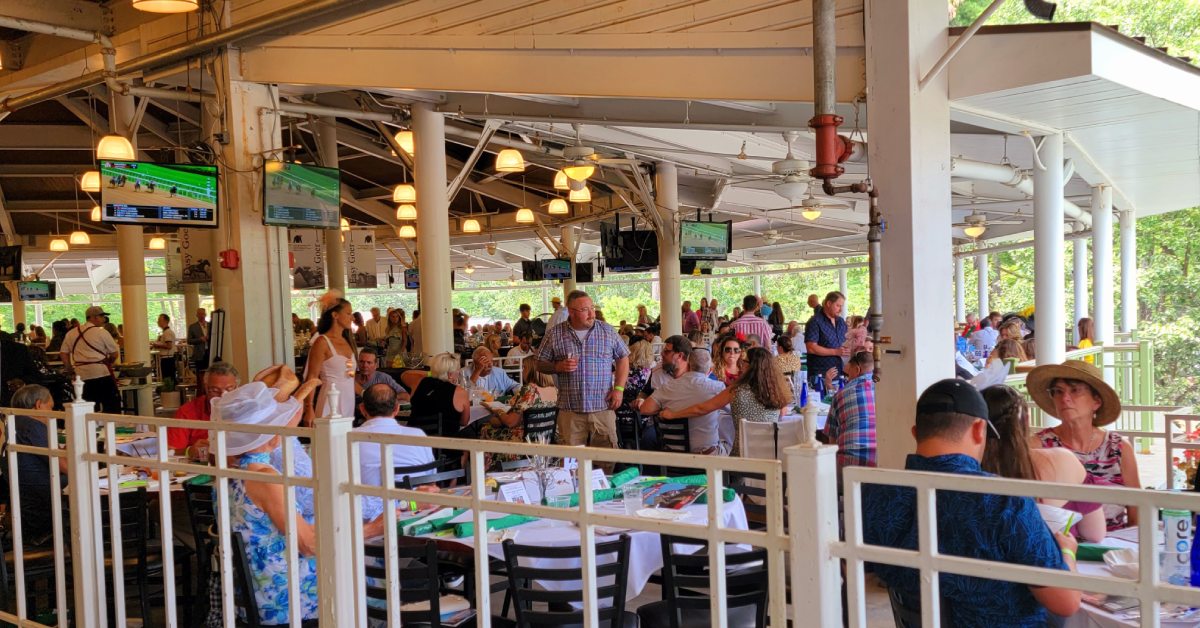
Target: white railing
point(816, 585)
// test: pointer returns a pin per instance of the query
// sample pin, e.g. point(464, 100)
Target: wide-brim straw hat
point(1039, 379)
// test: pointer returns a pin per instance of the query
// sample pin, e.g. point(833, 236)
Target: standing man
point(197, 339)
point(523, 324)
point(582, 352)
point(377, 326)
point(825, 337)
point(559, 315)
point(751, 324)
point(851, 422)
point(414, 333)
point(691, 320)
point(89, 351)
point(166, 347)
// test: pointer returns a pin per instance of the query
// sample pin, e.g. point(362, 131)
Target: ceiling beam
point(40, 170)
point(79, 14)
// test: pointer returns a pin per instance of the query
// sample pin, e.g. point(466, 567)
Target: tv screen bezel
point(53, 290)
point(215, 223)
point(301, 225)
point(713, 257)
point(415, 272)
point(561, 278)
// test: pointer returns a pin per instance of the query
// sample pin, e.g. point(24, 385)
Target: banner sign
point(174, 261)
point(308, 253)
point(360, 259)
point(195, 253)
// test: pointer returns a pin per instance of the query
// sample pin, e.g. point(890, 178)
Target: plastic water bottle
point(1177, 547)
point(1195, 581)
point(803, 394)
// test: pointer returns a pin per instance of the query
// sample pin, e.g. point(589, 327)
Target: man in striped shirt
point(851, 422)
point(751, 324)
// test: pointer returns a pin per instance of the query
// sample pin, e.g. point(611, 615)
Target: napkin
point(467, 529)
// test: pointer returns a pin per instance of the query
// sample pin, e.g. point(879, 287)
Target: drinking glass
point(631, 495)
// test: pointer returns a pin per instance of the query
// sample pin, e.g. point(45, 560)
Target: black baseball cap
point(953, 395)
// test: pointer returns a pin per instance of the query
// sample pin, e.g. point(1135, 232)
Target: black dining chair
point(674, 437)
point(686, 601)
point(441, 478)
point(420, 582)
point(537, 421)
point(537, 606)
point(431, 424)
point(201, 506)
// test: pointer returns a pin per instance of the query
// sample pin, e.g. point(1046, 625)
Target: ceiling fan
point(977, 222)
point(792, 173)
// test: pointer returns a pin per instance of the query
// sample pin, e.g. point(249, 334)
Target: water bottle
point(1195, 580)
point(803, 394)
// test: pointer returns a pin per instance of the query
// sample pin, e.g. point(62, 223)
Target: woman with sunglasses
point(1076, 394)
point(728, 360)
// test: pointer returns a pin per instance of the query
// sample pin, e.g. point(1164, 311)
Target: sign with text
point(174, 262)
point(360, 259)
point(308, 253)
point(195, 256)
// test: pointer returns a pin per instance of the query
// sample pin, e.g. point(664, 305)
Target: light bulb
point(80, 237)
point(525, 216)
point(115, 147)
point(471, 225)
point(406, 212)
point(469, 269)
point(272, 166)
point(90, 181)
point(59, 245)
point(559, 207)
point(158, 243)
point(404, 193)
point(974, 231)
point(510, 160)
point(345, 225)
point(580, 196)
point(811, 214)
point(580, 170)
point(407, 142)
point(166, 6)
point(407, 232)
point(561, 182)
point(96, 213)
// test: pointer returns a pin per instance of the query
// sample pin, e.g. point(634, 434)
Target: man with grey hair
point(220, 378)
point(483, 374)
point(692, 386)
point(33, 470)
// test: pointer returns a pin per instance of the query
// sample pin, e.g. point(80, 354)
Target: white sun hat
point(252, 404)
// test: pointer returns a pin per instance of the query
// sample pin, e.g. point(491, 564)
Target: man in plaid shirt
point(851, 423)
point(592, 364)
point(751, 324)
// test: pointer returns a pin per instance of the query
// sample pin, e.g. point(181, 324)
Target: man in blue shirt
point(483, 375)
point(951, 433)
point(825, 337)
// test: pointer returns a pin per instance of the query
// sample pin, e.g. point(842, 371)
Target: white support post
point(666, 190)
point(335, 530)
point(1129, 300)
point(1079, 280)
point(1048, 255)
point(1102, 263)
point(812, 511)
point(708, 288)
point(960, 291)
point(982, 286)
point(433, 229)
point(844, 286)
point(87, 548)
point(569, 245)
point(335, 256)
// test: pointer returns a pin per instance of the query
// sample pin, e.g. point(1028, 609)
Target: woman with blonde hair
point(1007, 348)
point(538, 391)
point(438, 393)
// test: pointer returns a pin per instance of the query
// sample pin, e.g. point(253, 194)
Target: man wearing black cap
point(951, 431)
point(89, 352)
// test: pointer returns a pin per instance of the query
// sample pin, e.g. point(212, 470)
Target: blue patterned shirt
point(973, 525)
point(585, 389)
point(828, 334)
point(851, 422)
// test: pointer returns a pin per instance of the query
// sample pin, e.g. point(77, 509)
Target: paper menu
point(514, 492)
point(1056, 518)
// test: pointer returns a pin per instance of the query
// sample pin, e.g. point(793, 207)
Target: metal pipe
point(825, 56)
point(959, 43)
point(174, 54)
point(167, 94)
point(1011, 176)
point(305, 109)
point(875, 277)
point(1015, 246)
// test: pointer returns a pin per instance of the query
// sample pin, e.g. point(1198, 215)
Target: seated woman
point(33, 470)
point(1076, 394)
point(1008, 455)
point(788, 360)
point(1005, 349)
point(538, 391)
point(438, 393)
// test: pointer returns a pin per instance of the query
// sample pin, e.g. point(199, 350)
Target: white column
point(708, 288)
point(335, 257)
point(960, 291)
point(1048, 258)
point(1129, 301)
point(982, 286)
point(844, 286)
point(433, 229)
point(666, 191)
point(757, 287)
point(568, 243)
point(910, 160)
point(191, 301)
point(1079, 280)
point(1102, 263)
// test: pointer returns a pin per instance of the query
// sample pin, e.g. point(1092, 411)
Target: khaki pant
point(597, 429)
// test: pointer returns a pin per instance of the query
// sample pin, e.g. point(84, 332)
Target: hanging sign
point(174, 261)
point(308, 250)
point(360, 259)
point(195, 255)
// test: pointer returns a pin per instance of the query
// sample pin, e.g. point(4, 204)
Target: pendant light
point(115, 147)
point(524, 214)
point(559, 207)
point(470, 225)
point(579, 170)
point(80, 237)
point(158, 243)
point(406, 211)
point(59, 245)
point(166, 6)
point(407, 142)
point(90, 181)
point(469, 269)
point(272, 166)
point(345, 225)
point(811, 213)
point(561, 182)
point(510, 160)
point(404, 193)
point(974, 231)
point(407, 232)
point(583, 195)
point(96, 213)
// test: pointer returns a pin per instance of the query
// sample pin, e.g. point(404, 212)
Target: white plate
point(662, 514)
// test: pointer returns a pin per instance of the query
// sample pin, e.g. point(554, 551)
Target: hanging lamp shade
point(561, 181)
point(166, 6)
point(974, 231)
point(96, 213)
point(525, 216)
point(583, 195)
point(510, 160)
point(272, 166)
point(90, 181)
point(404, 193)
point(407, 232)
point(469, 269)
point(407, 142)
point(80, 237)
point(158, 243)
point(59, 245)
point(559, 207)
point(345, 225)
point(811, 214)
point(580, 170)
point(115, 147)
point(406, 211)
point(471, 225)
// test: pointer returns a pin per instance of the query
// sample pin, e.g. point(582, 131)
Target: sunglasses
point(733, 350)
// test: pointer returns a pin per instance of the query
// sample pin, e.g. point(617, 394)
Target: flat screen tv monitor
point(705, 240)
point(144, 193)
point(301, 196)
point(556, 269)
point(631, 251)
point(584, 272)
point(531, 270)
point(412, 279)
point(37, 290)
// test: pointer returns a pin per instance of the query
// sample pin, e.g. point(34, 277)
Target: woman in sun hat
point(1076, 394)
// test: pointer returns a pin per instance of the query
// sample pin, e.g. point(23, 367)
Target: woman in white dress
point(331, 359)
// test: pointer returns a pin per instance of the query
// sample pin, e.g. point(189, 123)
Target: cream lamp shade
point(115, 147)
point(471, 225)
point(525, 216)
point(406, 211)
point(811, 214)
point(561, 182)
point(974, 231)
point(580, 196)
point(158, 243)
point(80, 237)
point(510, 160)
point(90, 181)
point(468, 268)
point(96, 214)
point(407, 232)
point(559, 207)
point(580, 170)
point(404, 193)
point(166, 6)
point(345, 225)
point(59, 245)
point(407, 142)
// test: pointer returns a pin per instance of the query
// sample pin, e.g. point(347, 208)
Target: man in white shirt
point(380, 404)
point(166, 347)
point(559, 315)
point(89, 351)
point(524, 347)
point(691, 386)
point(984, 339)
point(377, 326)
